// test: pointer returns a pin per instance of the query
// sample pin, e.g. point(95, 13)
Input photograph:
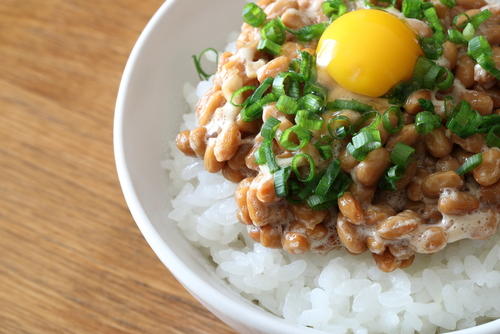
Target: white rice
point(338, 292)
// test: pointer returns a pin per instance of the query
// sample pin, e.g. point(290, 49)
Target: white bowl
point(148, 113)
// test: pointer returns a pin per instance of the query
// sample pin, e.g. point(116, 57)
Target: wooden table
point(71, 258)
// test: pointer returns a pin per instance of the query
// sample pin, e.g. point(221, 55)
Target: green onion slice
point(470, 163)
point(281, 177)
point(449, 3)
point(401, 154)
point(253, 111)
point(298, 161)
point(464, 121)
point(287, 105)
point(456, 36)
point(391, 177)
point(269, 128)
point(197, 63)
point(426, 105)
point(348, 104)
point(267, 151)
point(238, 93)
point(274, 31)
point(334, 8)
point(339, 127)
point(260, 91)
point(479, 18)
point(393, 111)
point(426, 122)
point(309, 33)
point(480, 50)
point(288, 140)
point(270, 47)
point(309, 120)
point(253, 15)
point(312, 102)
point(493, 137)
point(284, 82)
point(307, 65)
point(370, 119)
point(328, 178)
point(364, 142)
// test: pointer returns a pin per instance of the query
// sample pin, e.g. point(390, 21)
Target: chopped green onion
point(444, 79)
point(260, 158)
point(309, 33)
point(287, 105)
point(311, 102)
point(267, 151)
point(469, 32)
point(387, 122)
point(426, 122)
point(449, 3)
point(480, 50)
point(328, 178)
point(426, 105)
point(325, 151)
point(479, 18)
point(275, 31)
point(260, 91)
point(197, 63)
point(296, 164)
point(412, 8)
point(488, 121)
point(253, 15)
point(432, 17)
point(432, 46)
point(238, 93)
point(456, 36)
point(307, 65)
point(493, 137)
point(363, 143)
point(348, 104)
point(287, 141)
point(369, 119)
point(316, 89)
point(401, 91)
point(268, 46)
point(464, 121)
point(334, 8)
point(470, 163)
point(401, 154)
point(269, 128)
point(281, 181)
point(253, 111)
point(391, 177)
point(339, 127)
point(283, 82)
point(309, 120)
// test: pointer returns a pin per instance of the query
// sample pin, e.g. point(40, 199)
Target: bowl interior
point(148, 114)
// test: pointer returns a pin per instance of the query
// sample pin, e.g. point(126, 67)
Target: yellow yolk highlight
point(368, 51)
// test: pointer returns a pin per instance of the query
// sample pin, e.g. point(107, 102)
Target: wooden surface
point(71, 258)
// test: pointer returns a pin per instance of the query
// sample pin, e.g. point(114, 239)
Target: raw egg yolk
point(368, 51)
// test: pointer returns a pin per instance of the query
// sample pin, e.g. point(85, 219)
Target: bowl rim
point(261, 320)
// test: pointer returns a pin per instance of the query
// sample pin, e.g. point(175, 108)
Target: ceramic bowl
point(148, 113)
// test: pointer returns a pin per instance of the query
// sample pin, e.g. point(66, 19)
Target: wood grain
point(71, 258)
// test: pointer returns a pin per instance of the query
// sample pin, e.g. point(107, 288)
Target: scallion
point(464, 121)
point(387, 120)
point(287, 105)
point(283, 82)
point(197, 63)
point(339, 127)
point(334, 8)
point(311, 102)
point(281, 177)
point(297, 163)
point(426, 122)
point(401, 154)
point(449, 3)
point(270, 47)
point(253, 15)
point(290, 136)
point(309, 120)
point(480, 50)
point(309, 33)
point(493, 136)
point(269, 128)
point(470, 163)
point(340, 104)
point(267, 150)
point(240, 92)
point(274, 30)
point(328, 178)
point(363, 143)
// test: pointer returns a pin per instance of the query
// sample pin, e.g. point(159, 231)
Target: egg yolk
point(368, 51)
